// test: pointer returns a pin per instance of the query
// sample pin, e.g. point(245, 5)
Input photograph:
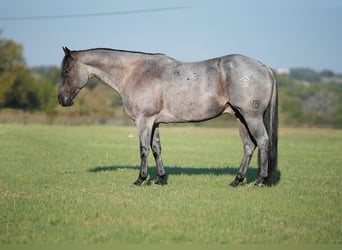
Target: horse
point(157, 89)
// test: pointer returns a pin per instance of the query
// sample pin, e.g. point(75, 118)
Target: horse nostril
point(60, 99)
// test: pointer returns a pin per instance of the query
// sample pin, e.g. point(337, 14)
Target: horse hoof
point(236, 182)
point(139, 181)
point(159, 180)
point(259, 182)
point(258, 185)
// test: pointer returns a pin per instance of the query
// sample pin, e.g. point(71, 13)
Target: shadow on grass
point(251, 176)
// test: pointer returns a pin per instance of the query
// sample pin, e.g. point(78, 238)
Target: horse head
point(73, 78)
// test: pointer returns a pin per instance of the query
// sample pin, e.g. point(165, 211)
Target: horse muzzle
point(65, 101)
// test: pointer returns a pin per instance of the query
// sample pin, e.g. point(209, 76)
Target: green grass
point(74, 184)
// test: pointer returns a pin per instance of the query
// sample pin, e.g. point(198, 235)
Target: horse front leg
point(156, 149)
point(145, 130)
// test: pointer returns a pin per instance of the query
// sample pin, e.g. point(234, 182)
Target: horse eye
point(66, 71)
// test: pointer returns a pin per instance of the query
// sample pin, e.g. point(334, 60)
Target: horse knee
point(144, 152)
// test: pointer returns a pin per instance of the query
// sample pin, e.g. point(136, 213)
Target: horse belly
point(191, 108)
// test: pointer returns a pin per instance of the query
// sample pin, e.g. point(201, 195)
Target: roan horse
point(158, 89)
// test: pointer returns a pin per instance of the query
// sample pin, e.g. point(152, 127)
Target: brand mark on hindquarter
point(244, 81)
point(256, 104)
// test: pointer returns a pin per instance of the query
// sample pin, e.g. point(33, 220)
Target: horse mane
point(124, 51)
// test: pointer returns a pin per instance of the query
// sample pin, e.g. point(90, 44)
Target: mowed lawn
point(74, 184)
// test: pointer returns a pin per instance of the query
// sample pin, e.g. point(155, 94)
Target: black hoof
point(139, 181)
point(268, 182)
point(236, 182)
point(160, 180)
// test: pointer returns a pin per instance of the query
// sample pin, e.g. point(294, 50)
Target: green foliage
point(73, 185)
point(12, 66)
point(309, 104)
point(20, 87)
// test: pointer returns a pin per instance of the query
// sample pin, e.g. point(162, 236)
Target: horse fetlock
point(160, 171)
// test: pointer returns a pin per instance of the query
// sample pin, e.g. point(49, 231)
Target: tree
point(21, 88)
point(12, 64)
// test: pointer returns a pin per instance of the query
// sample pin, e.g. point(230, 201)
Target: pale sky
point(281, 34)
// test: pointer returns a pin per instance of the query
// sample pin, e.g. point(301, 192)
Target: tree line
point(21, 87)
point(306, 97)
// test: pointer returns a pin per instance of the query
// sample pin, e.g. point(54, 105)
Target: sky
point(281, 34)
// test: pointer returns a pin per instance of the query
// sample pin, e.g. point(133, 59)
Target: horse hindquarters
point(258, 121)
point(265, 132)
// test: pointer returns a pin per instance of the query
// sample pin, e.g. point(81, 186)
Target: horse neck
point(111, 67)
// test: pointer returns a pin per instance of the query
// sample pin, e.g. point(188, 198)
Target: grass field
point(74, 184)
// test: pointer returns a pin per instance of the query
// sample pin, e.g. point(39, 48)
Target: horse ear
point(67, 51)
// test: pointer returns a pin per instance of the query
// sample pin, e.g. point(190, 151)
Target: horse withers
point(158, 89)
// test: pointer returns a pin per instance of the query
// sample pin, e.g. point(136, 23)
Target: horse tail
point(271, 124)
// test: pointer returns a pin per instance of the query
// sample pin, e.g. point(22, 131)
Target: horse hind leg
point(249, 147)
point(258, 131)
